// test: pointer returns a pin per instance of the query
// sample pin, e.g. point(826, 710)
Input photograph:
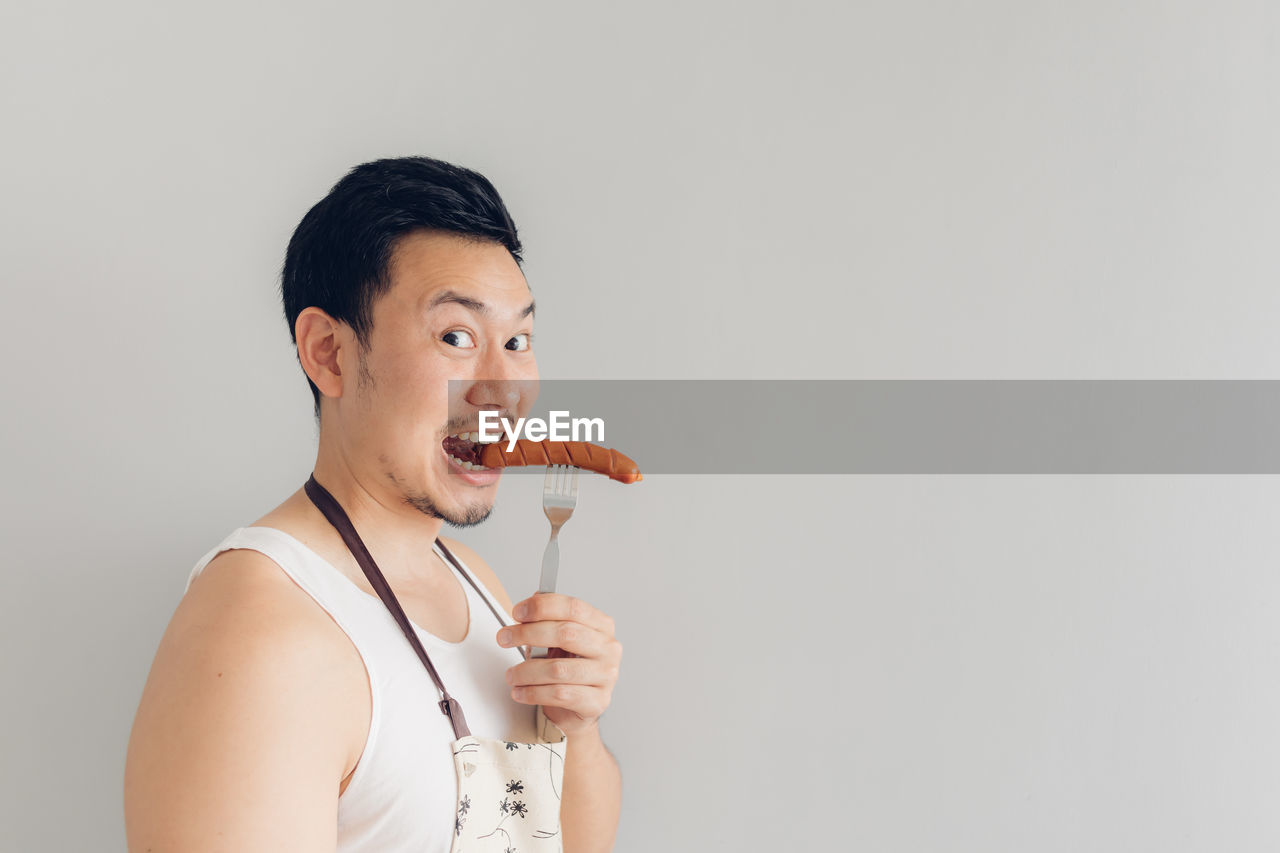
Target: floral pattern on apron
point(509, 793)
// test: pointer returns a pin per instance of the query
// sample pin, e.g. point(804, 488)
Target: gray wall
point(722, 190)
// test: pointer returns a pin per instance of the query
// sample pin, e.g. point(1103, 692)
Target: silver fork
point(559, 497)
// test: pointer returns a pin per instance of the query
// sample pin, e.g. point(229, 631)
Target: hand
point(574, 684)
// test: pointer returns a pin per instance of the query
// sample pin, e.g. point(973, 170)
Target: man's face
point(457, 310)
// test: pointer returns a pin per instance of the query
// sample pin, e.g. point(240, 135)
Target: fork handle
point(547, 583)
point(550, 566)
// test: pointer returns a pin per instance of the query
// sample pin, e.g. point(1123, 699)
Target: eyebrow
point(475, 305)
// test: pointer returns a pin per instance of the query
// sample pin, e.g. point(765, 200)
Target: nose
point(500, 384)
point(502, 395)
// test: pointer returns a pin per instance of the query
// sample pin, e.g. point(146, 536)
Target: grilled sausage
point(581, 454)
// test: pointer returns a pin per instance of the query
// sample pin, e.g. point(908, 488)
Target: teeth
point(467, 466)
point(476, 437)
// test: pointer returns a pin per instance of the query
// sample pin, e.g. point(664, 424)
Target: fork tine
point(561, 485)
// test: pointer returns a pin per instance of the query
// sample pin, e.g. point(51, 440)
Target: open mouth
point(464, 450)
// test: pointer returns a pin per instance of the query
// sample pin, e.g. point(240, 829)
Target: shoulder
point(480, 570)
point(245, 612)
point(244, 608)
point(249, 699)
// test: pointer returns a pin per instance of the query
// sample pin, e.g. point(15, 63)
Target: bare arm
point(238, 741)
point(592, 797)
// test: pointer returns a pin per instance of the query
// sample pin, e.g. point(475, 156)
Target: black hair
point(340, 254)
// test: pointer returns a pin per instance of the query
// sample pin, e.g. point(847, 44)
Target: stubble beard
point(468, 516)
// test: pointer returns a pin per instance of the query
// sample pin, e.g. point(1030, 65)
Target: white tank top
point(402, 796)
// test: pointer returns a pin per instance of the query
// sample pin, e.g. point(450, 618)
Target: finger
point(587, 702)
point(582, 671)
point(570, 636)
point(554, 607)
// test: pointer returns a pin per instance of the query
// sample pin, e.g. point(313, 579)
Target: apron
point(508, 793)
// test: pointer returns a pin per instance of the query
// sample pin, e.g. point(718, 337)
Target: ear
point(323, 343)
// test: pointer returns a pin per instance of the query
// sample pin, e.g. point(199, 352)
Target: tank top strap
point(323, 582)
point(460, 569)
point(330, 588)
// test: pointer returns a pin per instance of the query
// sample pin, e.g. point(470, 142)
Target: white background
point(889, 190)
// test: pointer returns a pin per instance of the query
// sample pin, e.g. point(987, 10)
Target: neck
point(398, 536)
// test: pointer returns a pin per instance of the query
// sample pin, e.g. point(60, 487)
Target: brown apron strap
point(332, 510)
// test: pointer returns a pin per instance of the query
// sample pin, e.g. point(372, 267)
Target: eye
point(520, 342)
point(458, 338)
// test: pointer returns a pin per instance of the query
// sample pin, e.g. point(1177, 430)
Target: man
point(282, 678)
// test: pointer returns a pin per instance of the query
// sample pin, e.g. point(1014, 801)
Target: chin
point(459, 497)
point(469, 517)
point(466, 515)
